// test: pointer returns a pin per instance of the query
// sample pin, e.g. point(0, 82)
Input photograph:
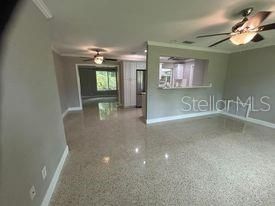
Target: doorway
point(98, 84)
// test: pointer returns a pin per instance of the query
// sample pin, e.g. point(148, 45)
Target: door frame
point(98, 66)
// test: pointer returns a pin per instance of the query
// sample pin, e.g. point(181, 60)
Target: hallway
point(115, 159)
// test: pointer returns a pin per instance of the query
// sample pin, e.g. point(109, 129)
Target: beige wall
point(32, 133)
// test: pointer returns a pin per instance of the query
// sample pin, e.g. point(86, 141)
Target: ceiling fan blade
point(209, 35)
point(258, 38)
point(108, 59)
point(255, 21)
point(86, 60)
point(219, 42)
point(267, 27)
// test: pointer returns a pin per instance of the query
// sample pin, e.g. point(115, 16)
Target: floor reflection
point(106, 109)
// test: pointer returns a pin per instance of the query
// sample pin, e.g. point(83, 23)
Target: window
point(106, 80)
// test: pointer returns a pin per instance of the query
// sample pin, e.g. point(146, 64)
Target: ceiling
point(122, 27)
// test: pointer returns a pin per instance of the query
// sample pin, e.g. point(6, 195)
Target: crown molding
point(89, 56)
point(43, 8)
point(162, 44)
point(179, 46)
point(56, 50)
point(254, 48)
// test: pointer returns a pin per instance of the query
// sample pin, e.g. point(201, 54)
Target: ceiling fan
point(98, 58)
point(246, 30)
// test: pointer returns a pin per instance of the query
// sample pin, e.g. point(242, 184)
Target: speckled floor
point(115, 159)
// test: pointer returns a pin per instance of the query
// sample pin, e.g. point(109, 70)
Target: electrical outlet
point(32, 192)
point(44, 172)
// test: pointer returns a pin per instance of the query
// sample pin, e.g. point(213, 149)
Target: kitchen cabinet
point(129, 81)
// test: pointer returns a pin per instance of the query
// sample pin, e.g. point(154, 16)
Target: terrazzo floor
point(115, 159)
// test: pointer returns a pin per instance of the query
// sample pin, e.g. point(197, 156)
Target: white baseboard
point(65, 113)
point(251, 120)
point(50, 190)
point(178, 117)
point(74, 109)
point(71, 109)
point(200, 114)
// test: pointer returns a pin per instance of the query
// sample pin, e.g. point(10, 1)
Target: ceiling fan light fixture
point(242, 38)
point(98, 59)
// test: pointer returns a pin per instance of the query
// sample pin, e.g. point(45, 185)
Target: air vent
point(188, 42)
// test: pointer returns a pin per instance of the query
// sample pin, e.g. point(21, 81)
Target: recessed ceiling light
point(145, 51)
